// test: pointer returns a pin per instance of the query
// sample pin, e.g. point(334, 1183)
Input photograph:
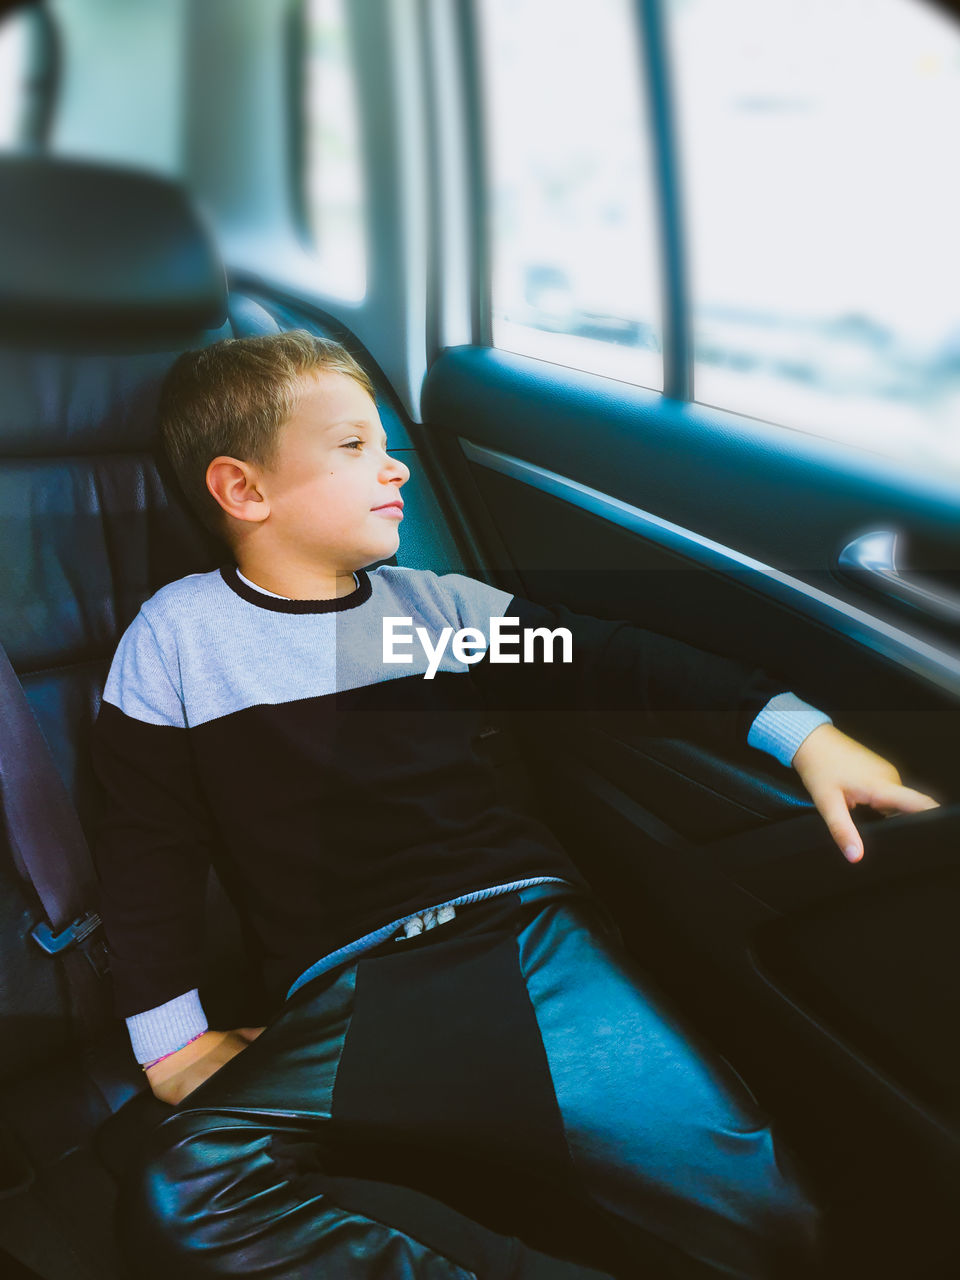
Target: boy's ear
point(234, 484)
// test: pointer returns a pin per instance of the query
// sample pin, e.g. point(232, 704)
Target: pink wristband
point(144, 1065)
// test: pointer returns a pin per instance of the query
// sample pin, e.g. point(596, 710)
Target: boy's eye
point(353, 444)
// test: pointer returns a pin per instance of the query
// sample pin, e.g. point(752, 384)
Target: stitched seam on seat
point(64, 666)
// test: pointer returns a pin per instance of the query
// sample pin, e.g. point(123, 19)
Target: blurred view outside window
point(334, 195)
point(572, 231)
point(818, 144)
point(15, 48)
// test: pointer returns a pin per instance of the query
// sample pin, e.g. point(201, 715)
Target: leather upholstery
point(91, 522)
point(92, 249)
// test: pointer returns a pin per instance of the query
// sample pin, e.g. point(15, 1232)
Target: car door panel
point(623, 504)
point(896, 688)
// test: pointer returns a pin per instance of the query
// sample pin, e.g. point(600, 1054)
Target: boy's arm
point(151, 848)
point(642, 681)
point(651, 684)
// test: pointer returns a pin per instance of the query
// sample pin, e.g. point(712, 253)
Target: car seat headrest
point(90, 251)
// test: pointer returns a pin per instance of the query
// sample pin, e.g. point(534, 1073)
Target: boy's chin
point(377, 555)
point(389, 547)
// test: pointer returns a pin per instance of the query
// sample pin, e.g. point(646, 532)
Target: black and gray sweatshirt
point(323, 755)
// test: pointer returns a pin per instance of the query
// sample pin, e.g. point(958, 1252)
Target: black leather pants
point(484, 1100)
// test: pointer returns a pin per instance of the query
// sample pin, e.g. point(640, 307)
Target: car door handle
point(870, 561)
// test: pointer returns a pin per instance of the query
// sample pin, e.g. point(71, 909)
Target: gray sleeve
point(168, 1027)
point(139, 682)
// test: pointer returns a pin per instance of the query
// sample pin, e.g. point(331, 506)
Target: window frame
point(295, 42)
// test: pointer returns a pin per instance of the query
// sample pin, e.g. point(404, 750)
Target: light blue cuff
point(167, 1027)
point(783, 724)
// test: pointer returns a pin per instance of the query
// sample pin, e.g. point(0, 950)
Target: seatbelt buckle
point(55, 944)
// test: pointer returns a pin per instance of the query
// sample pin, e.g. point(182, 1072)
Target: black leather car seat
point(106, 275)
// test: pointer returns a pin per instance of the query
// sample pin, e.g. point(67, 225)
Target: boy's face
point(332, 480)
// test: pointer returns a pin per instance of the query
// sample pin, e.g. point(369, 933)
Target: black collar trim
point(337, 605)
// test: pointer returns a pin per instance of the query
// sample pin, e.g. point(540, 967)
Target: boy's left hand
point(841, 773)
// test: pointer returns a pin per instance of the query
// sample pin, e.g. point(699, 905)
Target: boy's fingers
point(892, 799)
point(899, 799)
point(832, 806)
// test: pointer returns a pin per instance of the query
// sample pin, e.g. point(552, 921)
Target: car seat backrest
point(106, 276)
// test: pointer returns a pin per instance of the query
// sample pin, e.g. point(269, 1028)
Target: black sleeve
point(152, 846)
point(645, 683)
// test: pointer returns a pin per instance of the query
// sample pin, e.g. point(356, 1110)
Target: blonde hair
point(232, 398)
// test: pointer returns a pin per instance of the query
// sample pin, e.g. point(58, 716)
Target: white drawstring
point(419, 924)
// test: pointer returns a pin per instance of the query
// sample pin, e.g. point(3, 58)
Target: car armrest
point(701, 793)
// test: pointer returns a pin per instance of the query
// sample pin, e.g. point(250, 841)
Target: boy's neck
point(295, 583)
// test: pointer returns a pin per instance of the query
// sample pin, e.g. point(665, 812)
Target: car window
point(817, 143)
point(16, 46)
point(333, 192)
point(572, 244)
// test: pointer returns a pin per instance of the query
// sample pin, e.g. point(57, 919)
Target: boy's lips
point(392, 508)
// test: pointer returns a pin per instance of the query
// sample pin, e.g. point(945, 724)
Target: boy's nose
point(398, 470)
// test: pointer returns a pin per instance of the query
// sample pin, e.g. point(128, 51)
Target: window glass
point(572, 234)
point(333, 175)
point(14, 55)
point(818, 149)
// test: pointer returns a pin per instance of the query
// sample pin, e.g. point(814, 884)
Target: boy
point(446, 989)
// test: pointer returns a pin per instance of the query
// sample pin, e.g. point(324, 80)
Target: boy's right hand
point(172, 1079)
